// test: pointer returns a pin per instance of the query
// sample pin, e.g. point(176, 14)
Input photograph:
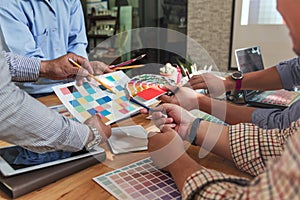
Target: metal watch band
point(96, 140)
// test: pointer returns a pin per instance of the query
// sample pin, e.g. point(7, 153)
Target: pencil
point(92, 76)
point(128, 67)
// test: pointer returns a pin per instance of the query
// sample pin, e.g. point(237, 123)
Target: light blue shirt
point(43, 29)
point(289, 72)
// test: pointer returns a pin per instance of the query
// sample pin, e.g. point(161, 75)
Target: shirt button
point(54, 29)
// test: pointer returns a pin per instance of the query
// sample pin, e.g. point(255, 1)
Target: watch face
point(237, 75)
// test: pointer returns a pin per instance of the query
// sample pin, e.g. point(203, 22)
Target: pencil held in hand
point(90, 75)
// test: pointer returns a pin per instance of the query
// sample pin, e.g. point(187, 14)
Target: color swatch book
point(91, 97)
point(140, 180)
point(147, 86)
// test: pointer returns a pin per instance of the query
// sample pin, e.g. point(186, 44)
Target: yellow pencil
point(91, 75)
point(128, 67)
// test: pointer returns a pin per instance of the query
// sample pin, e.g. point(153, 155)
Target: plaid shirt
point(267, 154)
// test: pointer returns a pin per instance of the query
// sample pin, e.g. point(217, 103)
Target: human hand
point(104, 130)
point(184, 97)
point(165, 148)
point(177, 118)
point(100, 68)
point(215, 85)
point(61, 68)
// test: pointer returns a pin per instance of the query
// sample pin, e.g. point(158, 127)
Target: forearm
point(26, 122)
point(214, 138)
point(182, 168)
point(228, 112)
point(268, 79)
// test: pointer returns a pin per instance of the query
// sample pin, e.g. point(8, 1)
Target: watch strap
point(193, 131)
point(238, 84)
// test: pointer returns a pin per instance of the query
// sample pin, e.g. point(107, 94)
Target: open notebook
point(250, 60)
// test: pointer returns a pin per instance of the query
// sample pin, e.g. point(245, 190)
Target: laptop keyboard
point(277, 97)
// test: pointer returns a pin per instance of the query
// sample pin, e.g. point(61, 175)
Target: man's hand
point(215, 85)
point(100, 68)
point(61, 68)
point(165, 148)
point(104, 130)
point(179, 118)
point(184, 97)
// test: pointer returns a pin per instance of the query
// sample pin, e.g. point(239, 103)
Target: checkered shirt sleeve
point(251, 147)
point(22, 68)
point(280, 179)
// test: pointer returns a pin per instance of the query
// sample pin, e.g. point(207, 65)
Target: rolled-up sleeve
point(251, 146)
point(280, 180)
point(22, 68)
point(289, 72)
point(276, 118)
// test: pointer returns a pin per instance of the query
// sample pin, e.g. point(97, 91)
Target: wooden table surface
point(81, 186)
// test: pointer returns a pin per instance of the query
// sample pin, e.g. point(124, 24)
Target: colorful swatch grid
point(147, 86)
point(140, 180)
point(61, 109)
point(90, 98)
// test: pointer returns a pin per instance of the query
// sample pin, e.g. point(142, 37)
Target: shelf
point(101, 17)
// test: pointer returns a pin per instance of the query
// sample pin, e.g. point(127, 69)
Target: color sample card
point(147, 86)
point(139, 180)
point(61, 109)
point(90, 98)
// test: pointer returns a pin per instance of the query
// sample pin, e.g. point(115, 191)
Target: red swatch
point(150, 93)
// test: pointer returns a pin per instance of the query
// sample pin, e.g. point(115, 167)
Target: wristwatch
point(96, 139)
point(237, 77)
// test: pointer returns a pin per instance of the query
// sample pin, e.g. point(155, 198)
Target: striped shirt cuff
point(22, 68)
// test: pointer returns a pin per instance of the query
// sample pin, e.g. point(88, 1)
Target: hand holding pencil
point(92, 76)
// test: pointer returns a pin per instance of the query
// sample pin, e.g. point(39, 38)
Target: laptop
point(249, 60)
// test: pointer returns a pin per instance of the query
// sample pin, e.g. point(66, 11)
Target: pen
point(188, 74)
point(141, 104)
point(90, 75)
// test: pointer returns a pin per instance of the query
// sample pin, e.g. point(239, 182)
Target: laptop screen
point(249, 59)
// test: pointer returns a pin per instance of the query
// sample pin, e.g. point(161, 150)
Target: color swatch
point(139, 180)
point(61, 109)
point(90, 98)
point(147, 86)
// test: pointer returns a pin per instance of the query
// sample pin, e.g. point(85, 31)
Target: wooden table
point(81, 185)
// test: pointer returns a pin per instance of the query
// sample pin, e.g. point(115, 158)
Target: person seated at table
point(28, 123)
point(272, 155)
point(285, 75)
